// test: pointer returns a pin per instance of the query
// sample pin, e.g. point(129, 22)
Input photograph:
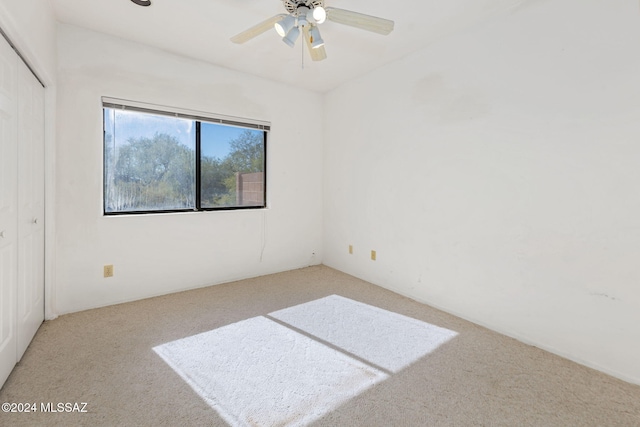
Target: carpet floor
point(310, 347)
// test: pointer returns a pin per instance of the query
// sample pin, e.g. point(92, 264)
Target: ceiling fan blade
point(317, 54)
point(256, 30)
point(360, 20)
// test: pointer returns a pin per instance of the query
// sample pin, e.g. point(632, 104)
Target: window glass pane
point(232, 166)
point(149, 162)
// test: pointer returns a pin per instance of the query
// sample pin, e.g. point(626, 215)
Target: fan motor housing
point(292, 5)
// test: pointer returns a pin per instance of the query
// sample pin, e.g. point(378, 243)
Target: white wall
point(158, 254)
point(496, 174)
point(31, 26)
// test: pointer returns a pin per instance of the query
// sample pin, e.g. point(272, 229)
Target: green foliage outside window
point(158, 172)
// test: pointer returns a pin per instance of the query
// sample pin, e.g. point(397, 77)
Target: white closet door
point(30, 207)
point(8, 207)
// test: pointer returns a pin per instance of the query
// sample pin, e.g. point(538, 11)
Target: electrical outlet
point(351, 249)
point(373, 255)
point(108, 270)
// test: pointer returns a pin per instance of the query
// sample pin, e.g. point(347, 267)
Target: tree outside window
point(158, 163)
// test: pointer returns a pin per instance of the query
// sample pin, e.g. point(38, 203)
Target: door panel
point(8, 208)
point(30, 207)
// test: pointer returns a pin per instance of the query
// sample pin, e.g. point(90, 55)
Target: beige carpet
point(119, 361)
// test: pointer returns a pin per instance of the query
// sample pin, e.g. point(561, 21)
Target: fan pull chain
point(302, 57)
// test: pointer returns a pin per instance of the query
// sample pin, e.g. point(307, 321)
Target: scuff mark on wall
point(603, 295)
point(445, 103)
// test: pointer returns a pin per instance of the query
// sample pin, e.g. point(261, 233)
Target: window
point(174, 161)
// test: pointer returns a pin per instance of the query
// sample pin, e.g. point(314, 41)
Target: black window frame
point(198, 119)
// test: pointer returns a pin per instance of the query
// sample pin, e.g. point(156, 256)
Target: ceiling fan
point(304, 16)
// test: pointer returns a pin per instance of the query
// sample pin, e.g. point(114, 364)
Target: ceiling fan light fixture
point(303, 16)
point(291, 37)
point(315, 38)
point(285, 25)
point(319, 15)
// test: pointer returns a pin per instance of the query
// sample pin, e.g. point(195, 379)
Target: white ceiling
point(201, 29)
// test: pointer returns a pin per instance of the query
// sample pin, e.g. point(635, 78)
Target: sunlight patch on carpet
point(259, 373)
point(386, 339)
point(298, 364)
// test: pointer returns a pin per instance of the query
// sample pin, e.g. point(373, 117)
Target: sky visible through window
point(133, 125)
point(150, 163)
point(215, 139)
